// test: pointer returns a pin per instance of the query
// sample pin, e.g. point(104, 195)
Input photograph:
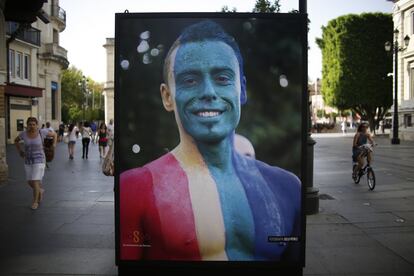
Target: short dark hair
point(207, 30)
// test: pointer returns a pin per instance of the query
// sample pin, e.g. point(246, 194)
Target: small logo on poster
point(138, 240)
point(282, 239)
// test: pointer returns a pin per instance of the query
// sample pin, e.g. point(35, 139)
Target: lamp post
point(83, 84)
point(388, 46)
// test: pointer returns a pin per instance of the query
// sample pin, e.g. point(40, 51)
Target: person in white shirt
point(73, 135)
point(86, 133)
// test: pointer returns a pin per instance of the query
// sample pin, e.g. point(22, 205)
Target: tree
point(355, 64)
point(227, 9)
point(74, 99)
point(266, 6)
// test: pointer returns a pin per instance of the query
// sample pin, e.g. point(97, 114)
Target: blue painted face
point(207, 90)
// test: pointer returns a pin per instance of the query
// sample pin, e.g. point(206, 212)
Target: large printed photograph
point(209, 146)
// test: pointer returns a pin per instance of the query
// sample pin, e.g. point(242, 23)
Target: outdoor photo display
point(209, 122)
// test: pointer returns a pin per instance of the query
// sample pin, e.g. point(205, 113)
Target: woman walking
point(73, 135)
point(86, 133)
point(103, 139)
point(34, 158)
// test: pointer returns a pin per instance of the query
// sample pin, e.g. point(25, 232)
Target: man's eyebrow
point(214, 70)
point(187, 72)
point(219, 69)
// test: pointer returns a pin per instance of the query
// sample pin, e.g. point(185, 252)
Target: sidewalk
point(357, 232)
point(72, 232)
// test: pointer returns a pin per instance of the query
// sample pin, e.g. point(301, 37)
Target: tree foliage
point(74, 98)
point(266, 6)
point(355, 64)
point(227, 9)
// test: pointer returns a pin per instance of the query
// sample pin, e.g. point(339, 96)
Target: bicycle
point(367, 169)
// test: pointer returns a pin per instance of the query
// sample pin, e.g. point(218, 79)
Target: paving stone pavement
point(72, 232)
point(356, 232)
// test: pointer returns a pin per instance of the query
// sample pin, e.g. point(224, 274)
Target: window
point(411, 91)
point(407, 120)
point(54, 89)
point(19, 63)
point(26, 68)
point(412, 22)
point(55, 36)
point(12, 67)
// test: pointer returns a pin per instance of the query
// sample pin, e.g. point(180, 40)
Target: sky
point(90, 22)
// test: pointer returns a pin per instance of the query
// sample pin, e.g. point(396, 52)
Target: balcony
point(59, 15)
point(29, 35)
point(54, 52)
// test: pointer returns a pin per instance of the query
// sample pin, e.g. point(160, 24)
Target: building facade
point(35, 62)
point(319, 111)
point(31, 61)
point(109, 84)
point(403, 17)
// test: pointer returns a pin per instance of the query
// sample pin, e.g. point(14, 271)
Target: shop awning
point(23, 90)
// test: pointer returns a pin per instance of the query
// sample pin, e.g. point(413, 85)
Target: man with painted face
point(203, 200)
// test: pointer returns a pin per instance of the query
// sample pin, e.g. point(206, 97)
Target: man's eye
point(222, 79)
point(190, 81)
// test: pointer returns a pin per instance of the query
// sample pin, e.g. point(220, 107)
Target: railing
point(30, 35)
point(59, 13)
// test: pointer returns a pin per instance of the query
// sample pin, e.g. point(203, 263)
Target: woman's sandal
point(35, 206)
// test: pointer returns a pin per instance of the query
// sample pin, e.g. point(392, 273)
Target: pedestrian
point(111, 131)
point(34, 158)
point(103, 140)
point(49, 138)
point(86, 133)
point(73, 135)
point(343, 127)
point(93, 128)
point(61, 131)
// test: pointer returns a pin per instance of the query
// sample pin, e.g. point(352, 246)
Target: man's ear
point(167, 97)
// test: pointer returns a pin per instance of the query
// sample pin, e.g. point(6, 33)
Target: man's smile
point(208, 113)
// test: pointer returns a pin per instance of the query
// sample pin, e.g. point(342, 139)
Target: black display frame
point(264, 267)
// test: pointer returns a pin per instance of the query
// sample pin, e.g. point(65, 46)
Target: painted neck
point(217, 155)
point(213, 155)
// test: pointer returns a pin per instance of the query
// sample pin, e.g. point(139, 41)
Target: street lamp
point(388, 46)
point(83, 84)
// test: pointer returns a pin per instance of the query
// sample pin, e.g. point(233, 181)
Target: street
point(356, 232)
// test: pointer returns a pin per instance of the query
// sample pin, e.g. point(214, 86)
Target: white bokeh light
point(146, 58)
point(145, 35)
point(143, 47)
point(283, 81)
point(155, 52)
point(125, 64)
point(136, 148)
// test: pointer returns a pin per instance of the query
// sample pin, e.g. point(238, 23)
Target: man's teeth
point(208, 113)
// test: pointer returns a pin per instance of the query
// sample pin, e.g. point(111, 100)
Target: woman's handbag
point(66, 139)
point(108, 166)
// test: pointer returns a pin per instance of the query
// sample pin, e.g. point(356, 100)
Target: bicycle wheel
point(355, 177)
point(371, 179)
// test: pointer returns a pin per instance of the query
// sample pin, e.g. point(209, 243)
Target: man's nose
point(208, 92)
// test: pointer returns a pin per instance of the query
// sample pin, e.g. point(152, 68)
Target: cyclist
point(361, 137)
